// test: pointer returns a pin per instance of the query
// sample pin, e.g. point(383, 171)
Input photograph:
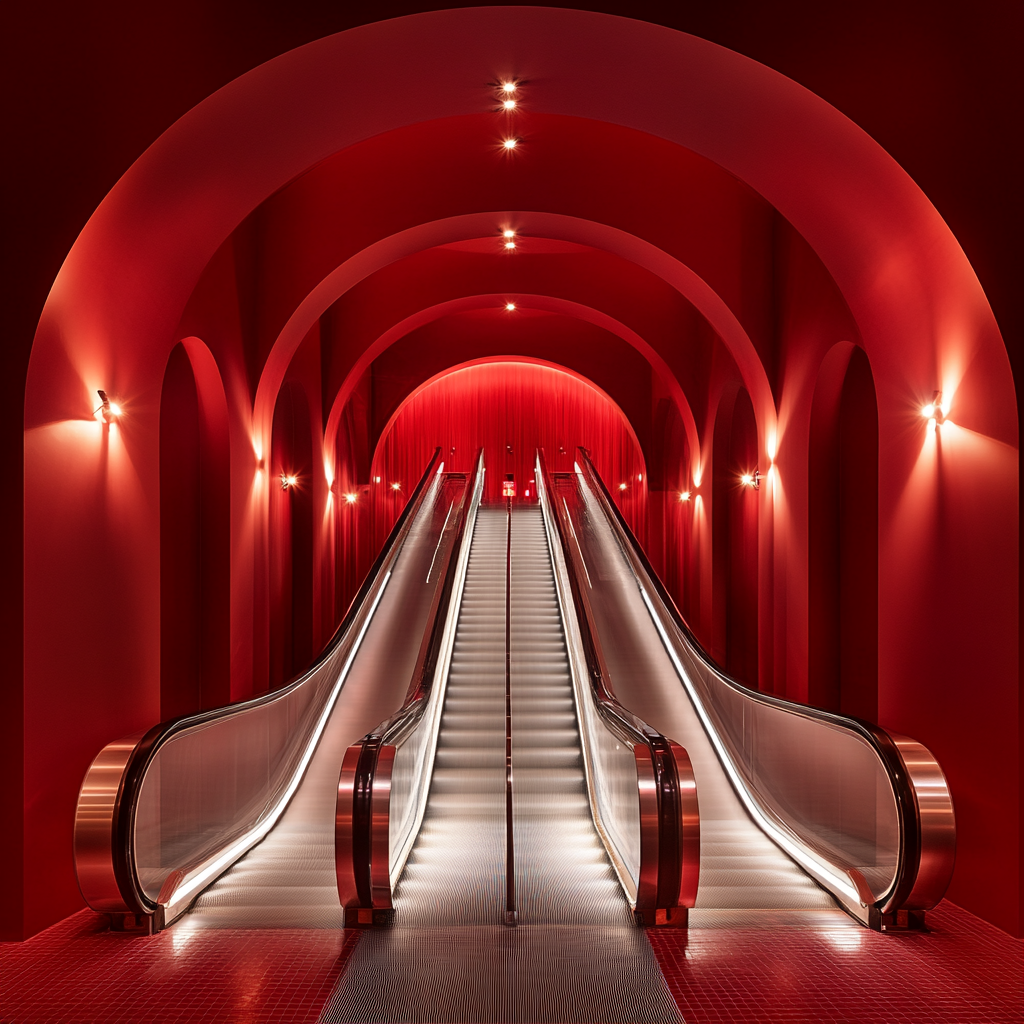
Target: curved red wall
point(510, 409)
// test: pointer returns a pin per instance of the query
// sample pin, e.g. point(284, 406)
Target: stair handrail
point(367, 863)
point(927, 823)
point(107, 803)
point(669, 863)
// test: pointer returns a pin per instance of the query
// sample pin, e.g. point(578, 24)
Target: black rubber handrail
point(143, 753)
point(627, 726)
point(399, 725)
point(907, 807)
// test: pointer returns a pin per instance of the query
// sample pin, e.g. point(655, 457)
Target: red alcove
point(734, 537)
point(291, 537)
point(510, 409)
point(195, 671)
point(843, 537)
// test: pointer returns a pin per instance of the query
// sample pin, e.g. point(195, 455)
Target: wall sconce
point(752, 480)
point(288, 480)
point(623, 486)
point(684, 495)
point(935, 411)
point(107, 409)
point(396, 486)
point(351, 498)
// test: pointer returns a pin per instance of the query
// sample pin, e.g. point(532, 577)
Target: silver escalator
point(563, 875)
point(788, 793)
point(288, 880)
point(232, 810)
point(448, 955)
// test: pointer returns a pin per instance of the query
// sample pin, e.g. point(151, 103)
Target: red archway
point(921, 316)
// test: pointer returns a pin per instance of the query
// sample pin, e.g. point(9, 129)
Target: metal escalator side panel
point(121, 833)
point(661, 880)
point(792, 766)
point(380, 805)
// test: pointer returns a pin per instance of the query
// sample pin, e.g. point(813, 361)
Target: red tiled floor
point(963, 971)
point(78, 971)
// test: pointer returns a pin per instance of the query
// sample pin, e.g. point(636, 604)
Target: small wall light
point(623, 486)
point(935, 411)
point(107, 409)
point(684, 495)
point(510, 307)
point(508, 87)
point(396, 486)
point(351, 498)
point(509, 104)
point(510, 144)
point(752, 480)
point(288, 480)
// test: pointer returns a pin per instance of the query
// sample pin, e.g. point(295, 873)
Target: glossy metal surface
point(650, 826)
point(835, 794)
point(197, 793)
point(95, 828)
point(344, 854)
point(937, 823)
point(381, 800)
point(380, 837)
point(689, 867)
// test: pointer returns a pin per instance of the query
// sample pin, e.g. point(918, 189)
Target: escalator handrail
point(354, 852)
point(926, 854)
point(678, 857)
point(134, 761)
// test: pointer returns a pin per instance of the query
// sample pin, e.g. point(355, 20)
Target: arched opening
point(194, 535)
point(843, 537)
point(509, 408)
point(734, 537)
point(291, 536)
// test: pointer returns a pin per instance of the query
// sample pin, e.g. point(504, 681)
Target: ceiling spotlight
point(510, 143)
point(510, 246)
point(510, 307)
point(509, 233)
point(509, 104)
point(508, 87)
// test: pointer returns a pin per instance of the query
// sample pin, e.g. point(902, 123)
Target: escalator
point(480, 861)
point(802, 811)
point(230, 812)
point(514, 673)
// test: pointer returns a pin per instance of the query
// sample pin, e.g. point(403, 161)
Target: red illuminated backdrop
point(265, 289)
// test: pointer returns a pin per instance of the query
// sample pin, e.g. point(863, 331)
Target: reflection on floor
point(965, 971)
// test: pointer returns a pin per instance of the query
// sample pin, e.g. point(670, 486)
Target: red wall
point(510, 409)
point(856, 254)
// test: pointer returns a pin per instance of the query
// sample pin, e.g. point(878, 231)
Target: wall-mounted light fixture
point(752, 480)
point(107, 410)
point(510, 307)
point(509, 144)
point(396, 486)
point(288, 480)
point(684, 495)
point(351, 498)
point(936, 410)
point(623, 486)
